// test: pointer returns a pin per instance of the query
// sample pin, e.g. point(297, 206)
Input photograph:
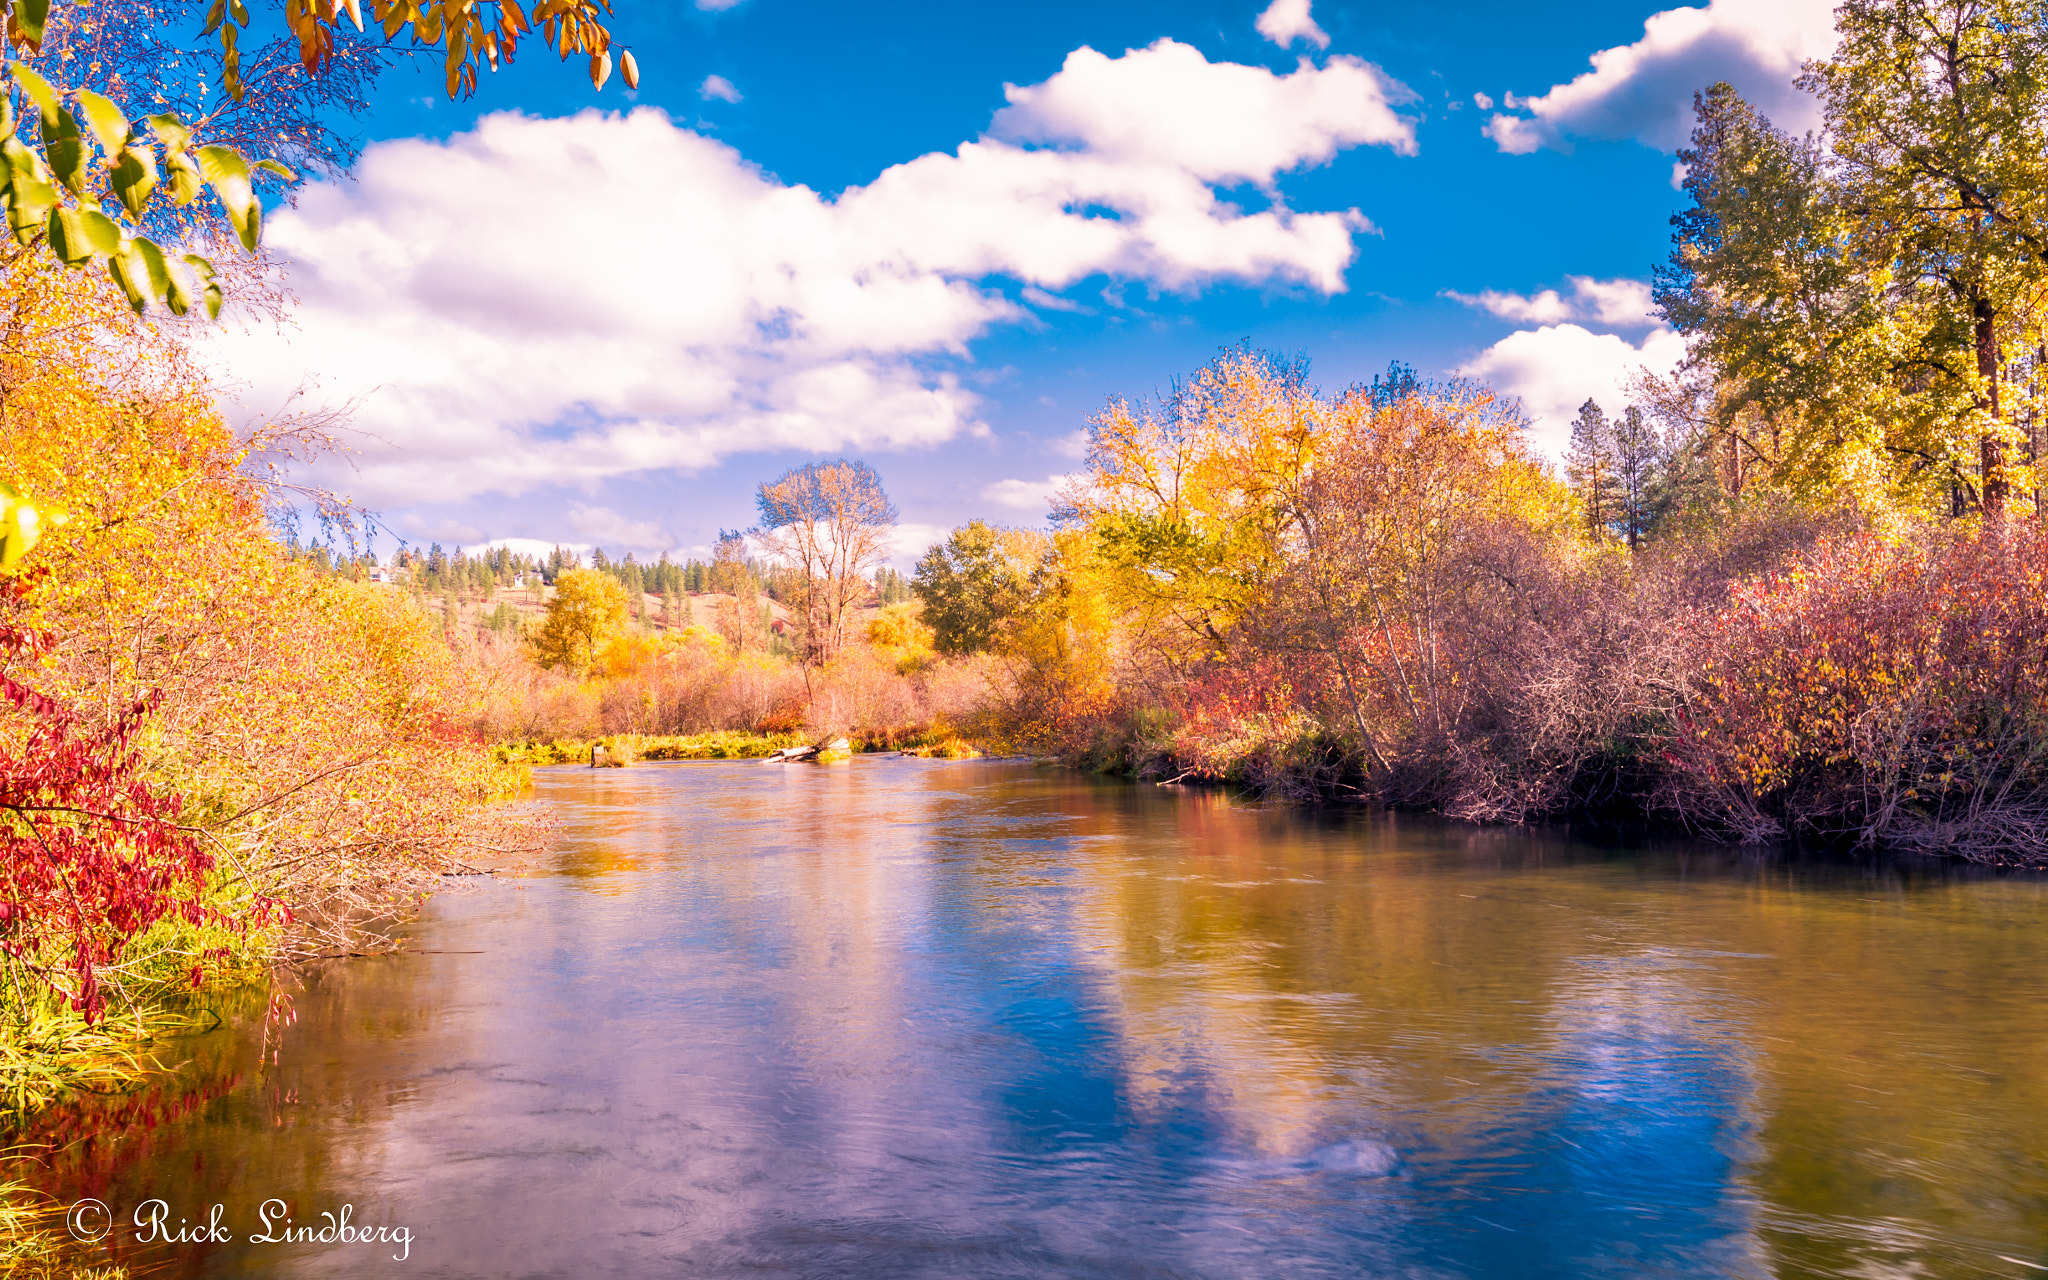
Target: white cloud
point(1619, 303)
point(1555, 369)
point(563, 301)
point(911, 541)
point(717, 86)
point(1286, 21)
point(422, 531)
point(1482, 101)
point(538, 548)
point(716, 6)
point(1219, 122)
point(1644, 90)
point(1027, 495)
point(1038, 297)
point(607, 528)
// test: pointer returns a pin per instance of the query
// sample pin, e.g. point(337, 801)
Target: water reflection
point(921, 1018)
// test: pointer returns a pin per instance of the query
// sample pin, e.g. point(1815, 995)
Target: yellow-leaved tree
point(585, 610)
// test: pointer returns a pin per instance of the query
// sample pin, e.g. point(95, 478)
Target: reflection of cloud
point(1644, 90)
point(1556, 368)
point(663, 303)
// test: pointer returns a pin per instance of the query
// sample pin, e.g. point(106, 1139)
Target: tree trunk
point(1990, 448)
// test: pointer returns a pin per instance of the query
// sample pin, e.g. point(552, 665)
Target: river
point(904, 1018)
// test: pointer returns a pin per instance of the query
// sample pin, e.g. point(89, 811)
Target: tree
point(1590, 467)
point(1937, 111)
point(1783, 322)
point(1186, 498)
point(1639, 456)
point(730, 576)
point(106, 205)
point(975, 582)
point(587, 608)
point(833, 524)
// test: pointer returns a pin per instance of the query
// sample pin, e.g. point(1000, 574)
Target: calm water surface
point(905, 1018)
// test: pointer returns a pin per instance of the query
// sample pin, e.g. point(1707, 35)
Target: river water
point(905, 1018)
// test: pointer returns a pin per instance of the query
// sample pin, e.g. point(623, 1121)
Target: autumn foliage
point(201, 741)
point(1890, 690)
point(1382, 595)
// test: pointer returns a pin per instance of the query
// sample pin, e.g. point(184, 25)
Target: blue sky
point(602, 318)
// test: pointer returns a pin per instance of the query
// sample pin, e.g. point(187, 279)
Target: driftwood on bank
point(837, 748)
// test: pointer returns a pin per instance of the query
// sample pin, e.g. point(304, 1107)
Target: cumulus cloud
point(909, 542)
point(1286, 21)
point(1027, 495)
point(1620, 303)
point(1644, 90)
point(607, 528)
point(717, 86)
point(538, 548)
point(563, 301)
point(1556, 368)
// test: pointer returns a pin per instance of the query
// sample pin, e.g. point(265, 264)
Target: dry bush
point(1880, 691)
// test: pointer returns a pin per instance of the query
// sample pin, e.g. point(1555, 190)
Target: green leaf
point(239, 12)
point(37, 89)
point(29, 203)
point(230, 64)
point(133, 277)
point(186, 182)
point(102, 234)
point(105, 119)
point(30, 15)
point(177, 296)
point(158, 271)
point(272, 166)
point(170, 131)
point(215, 15)
point(67, 238)
point(65, 147)
point(133, 178)
point(21, 159)
point(209, 284)
point(228, 174)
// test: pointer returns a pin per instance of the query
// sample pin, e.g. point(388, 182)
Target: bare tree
point(832, 523)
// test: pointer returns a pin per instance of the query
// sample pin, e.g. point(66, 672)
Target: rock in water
point(1366, 1159)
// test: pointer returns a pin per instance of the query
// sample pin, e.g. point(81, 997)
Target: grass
point(725, 744)
point(33, 1242)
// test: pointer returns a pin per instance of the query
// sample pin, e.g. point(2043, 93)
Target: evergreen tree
point(1590, 468)
point(1639, 458)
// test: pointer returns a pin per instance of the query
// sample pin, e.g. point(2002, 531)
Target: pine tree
point(1639, 459)
point(1590, 468)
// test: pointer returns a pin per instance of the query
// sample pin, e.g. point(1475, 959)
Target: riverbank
point(727, 744)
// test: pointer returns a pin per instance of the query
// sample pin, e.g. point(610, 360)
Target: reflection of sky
point(1622, 1156)
point(909, 1018)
